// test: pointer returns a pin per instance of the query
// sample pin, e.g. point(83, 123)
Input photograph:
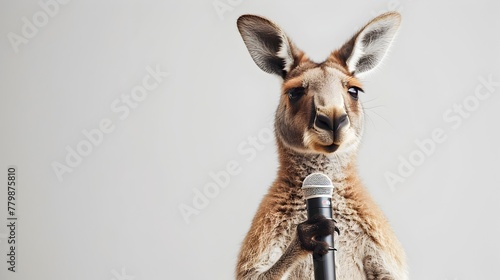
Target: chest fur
point(288, 213)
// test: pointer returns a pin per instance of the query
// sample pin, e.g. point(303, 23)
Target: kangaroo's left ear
point(368, 47)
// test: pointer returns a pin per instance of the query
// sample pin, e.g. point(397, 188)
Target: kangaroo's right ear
point(268, 45)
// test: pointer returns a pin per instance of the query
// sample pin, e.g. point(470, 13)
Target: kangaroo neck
point(295, 166)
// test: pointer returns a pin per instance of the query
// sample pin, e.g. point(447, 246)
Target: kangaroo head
point(319, 110)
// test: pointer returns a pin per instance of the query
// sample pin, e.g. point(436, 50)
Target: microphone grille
point(317, 185)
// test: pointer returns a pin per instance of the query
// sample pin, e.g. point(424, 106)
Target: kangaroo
point(318, 128)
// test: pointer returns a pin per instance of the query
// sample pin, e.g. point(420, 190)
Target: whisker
point(374, 107)
point(386, 121)
point(368, 117)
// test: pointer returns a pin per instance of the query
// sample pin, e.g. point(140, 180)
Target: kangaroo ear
point(369, 46)
point(267, 44)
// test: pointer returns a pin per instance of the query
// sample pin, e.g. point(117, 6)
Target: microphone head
point(317, 185)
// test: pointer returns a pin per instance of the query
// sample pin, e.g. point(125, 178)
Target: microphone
point(318, 189)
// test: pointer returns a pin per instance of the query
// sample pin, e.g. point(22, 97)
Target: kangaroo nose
point(341, 122)
point(324, 122)
point(333, 124)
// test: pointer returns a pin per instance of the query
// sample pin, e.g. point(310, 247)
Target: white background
point(116, 215)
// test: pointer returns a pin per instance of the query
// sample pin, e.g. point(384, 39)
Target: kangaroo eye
point(295, 94)
point(354, 91)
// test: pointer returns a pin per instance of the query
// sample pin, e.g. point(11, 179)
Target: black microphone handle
point(324, 266)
